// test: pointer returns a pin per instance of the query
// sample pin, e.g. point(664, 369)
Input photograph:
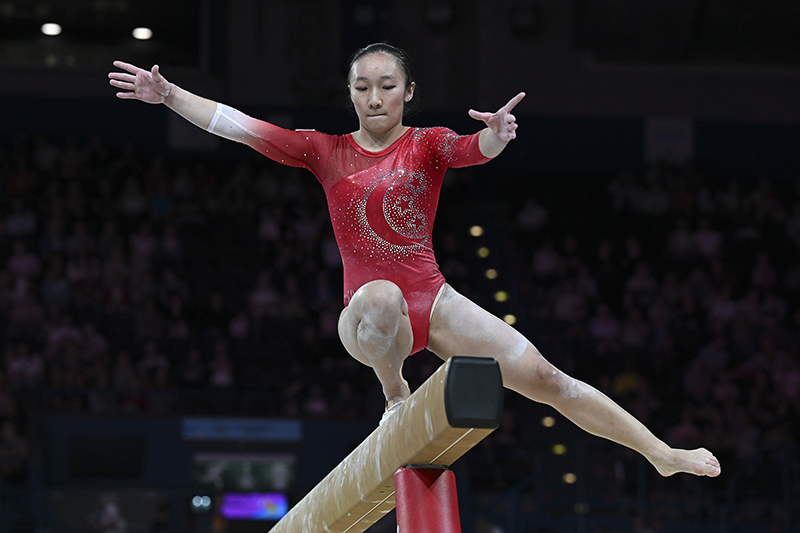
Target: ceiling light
point(51, 28)
point(142, 33)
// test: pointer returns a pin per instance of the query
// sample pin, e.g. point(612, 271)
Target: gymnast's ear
point(410, 92)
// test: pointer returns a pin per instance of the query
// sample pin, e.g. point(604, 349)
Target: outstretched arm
point(219, 119)
point(151, 87)
point(501, 127)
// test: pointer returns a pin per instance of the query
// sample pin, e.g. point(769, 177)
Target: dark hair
point(403, 61)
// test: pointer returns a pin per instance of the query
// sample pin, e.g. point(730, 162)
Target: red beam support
point(427, 501)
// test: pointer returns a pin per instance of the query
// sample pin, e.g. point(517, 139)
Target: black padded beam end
point(473, 393)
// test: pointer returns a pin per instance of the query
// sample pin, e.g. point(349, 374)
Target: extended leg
point(376, 331)
point(460, 327)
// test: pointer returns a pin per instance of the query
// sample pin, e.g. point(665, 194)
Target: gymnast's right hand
point(139, 84)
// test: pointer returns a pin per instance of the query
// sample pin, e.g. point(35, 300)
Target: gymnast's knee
point(541, 381)
point(381, 302)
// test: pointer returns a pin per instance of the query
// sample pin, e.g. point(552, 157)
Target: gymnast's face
point(377, 89)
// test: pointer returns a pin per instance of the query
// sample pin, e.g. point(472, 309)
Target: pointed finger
point(513, 102)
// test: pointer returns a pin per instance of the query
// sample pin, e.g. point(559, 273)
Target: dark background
point(709, 87)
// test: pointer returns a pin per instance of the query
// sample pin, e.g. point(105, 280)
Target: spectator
point(62, 333)
point(24, 369)
point(222, 372)
point(132, 202)
point(171, 247)
point(569, 306)
point(149, 323)
point(192, 372)
point(707, 240)
point(152, 364)
point(715, 355)
point(642, 286)
point(45, 156)
point(634, 332)
point(80, 241)
point(264, 299)
point(21, 221)
point(764, 276)
point(239, 327)
point(604, 330)
point(14, 453)
point(108, 517)
point(316, 404)
point(23, 264)
point(143, 246)
point(686, 432)
point(56, 289)
point(546, 262)
point(532, 216)
point(8, 405)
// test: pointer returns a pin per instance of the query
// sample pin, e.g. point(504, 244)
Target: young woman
point(382, 184)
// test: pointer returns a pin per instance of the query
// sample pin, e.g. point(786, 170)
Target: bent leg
point(460, 327)
point(375, 330)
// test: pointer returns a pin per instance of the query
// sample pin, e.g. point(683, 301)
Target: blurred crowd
point(134, 283)
point(678, 295)
point(685, 307)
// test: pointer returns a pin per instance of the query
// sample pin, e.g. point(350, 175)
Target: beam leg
point(427, 501)
point(456, 408)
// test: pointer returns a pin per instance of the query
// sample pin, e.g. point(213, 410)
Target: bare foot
point(392, 402)
point(392, 406)
point(699, 462)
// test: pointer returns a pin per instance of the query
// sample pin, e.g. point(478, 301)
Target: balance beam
point(459, 405)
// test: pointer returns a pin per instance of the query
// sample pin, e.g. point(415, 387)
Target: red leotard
point(382, 204)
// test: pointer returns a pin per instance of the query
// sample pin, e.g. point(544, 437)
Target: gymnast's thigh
point(461, 327)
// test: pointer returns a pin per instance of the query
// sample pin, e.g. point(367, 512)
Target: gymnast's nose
point(375, 100)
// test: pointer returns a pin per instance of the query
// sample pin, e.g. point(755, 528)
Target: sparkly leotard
point(382, 204)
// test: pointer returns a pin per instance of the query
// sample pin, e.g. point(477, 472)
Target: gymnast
point(382, 183)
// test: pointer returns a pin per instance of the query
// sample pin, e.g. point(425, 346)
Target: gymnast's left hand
point(502, 123)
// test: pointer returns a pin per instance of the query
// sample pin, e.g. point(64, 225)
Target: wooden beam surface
point(360, 490)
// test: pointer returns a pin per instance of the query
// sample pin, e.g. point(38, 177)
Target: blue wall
point(166, 457)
